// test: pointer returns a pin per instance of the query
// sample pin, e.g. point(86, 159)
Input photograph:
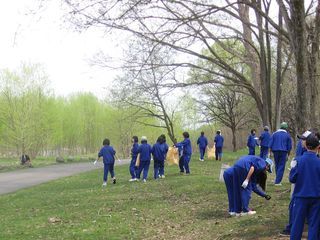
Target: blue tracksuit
point(218, 140)
point(180, 150)
point(145, 151)
point(281, 145)
point(241, 169)
point(186, 153)
point(300, 149)
point(228, 180)
point(158, 152)
point(306, 176)
point(134, 154)
point(251, 144)
point(264, 143)
point(165, 151)
point(203, 143)
point(107, 152)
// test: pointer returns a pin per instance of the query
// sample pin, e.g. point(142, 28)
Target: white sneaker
point(104, 184)
point(248, 213)
point(278, 184)
point(144, 180)
point(132, 180)
point(163, 176)
point(232, 214)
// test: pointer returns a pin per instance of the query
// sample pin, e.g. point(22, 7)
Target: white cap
point(143, 138)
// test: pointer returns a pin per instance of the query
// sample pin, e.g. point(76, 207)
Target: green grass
point(10, 164)
point(177, 207)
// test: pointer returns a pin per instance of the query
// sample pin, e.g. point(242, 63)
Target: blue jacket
point(134, 151)
point(202, 142)
point(300, 149)
point(165, 149)
point(218, 139)
point(252, 142)
point(265, 138)
point(186, 147)
point(107, 152)
point(158, 151)
point(280, 141)
point(306, 176)
point(145, 151)
point(245, 163)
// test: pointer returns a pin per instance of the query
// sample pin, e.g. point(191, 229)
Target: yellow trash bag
point(173, 156)
point(138, 161)
point(211, 152)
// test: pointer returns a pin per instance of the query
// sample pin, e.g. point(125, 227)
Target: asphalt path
point(15, 180)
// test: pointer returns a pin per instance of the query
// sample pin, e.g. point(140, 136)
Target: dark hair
point(253, 130)
point(202, 133)
point(106, 141)
point(163, 137)
point(135, 139)
point(312, 141)
point(185, 134)
point(218, 132)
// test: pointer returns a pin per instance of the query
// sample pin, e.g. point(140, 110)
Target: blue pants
point(306, 208)
point(218, 153)
point(228, 180)
point(161, 167)
point(186, 160)
point(108, 167)
point(133, 168)
point(280, 158)
point(157, 164)
point(288, 227)
point(202, 152)
point(144, 165)
point(263, 152)
point(252, 151)
point(181, 164)
point(241, 195)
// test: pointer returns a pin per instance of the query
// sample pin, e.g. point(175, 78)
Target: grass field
point(177, 207)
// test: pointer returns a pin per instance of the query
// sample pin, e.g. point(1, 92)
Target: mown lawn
point(177, 207)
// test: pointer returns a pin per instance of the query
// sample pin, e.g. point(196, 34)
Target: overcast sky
point(46, 39)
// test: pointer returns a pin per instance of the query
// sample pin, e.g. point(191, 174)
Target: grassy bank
point(177, 207)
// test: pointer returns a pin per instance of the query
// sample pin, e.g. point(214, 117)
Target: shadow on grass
point(211, 214)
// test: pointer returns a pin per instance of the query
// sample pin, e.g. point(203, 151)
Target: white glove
point(293, 163)
point(245, 183)
point(95, 162)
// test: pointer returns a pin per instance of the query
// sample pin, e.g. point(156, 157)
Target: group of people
point(202, 143)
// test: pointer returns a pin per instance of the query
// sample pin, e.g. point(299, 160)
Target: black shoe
point(285, 232)
point(114, 181)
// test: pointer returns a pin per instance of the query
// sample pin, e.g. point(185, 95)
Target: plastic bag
point(211, 152)
point(138, 161)
point(173, 156)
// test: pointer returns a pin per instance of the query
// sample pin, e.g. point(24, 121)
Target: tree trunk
point(234, 139)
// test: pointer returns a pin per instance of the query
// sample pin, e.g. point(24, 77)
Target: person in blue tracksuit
point(280, 144)
point(305, 174)
point(300, 149)
point(144, 151)
point(241, 180)
point(107, 153)
point(158, 153)
point(264, 142)
point(218, 142)
point(186, 151)
point(202, 142)
point(165, 149)
point(134, 154)
point(252, 142)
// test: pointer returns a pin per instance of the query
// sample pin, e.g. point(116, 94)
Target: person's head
point(202, 133)
point(266, 128)
point(160, 139)
point(284, 125)
point(106, 142)
point(269, 165)
point(185, 135)
point(253, 131)
point(144, 139)
point(135, 139)
point(218, 132)
point(312, 142)
point(163, 137)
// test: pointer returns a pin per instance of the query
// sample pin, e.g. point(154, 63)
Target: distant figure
point(165, 148)
point(134, 155)
point(25, 160)
point(107, 153)
point(264, 142)
point(280, 144)
point(159, 152)
point(186, 152)
point(145, 151)
point(218, 141)
point(252, 142)
point(202, 143)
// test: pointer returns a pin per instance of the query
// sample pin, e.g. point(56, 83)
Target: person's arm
point(289, 145)
point(246, 181)
point(294, 171)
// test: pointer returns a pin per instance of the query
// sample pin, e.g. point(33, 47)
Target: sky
point(44, 38)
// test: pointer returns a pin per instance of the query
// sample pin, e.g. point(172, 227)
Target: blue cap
point(270, 163)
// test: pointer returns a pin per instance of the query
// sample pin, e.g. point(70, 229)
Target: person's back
point(280, 141)
point(145, 151)
point(107, 152)
point(202, 141)
point(158, 151)
point(265, 138)
point(218, 140)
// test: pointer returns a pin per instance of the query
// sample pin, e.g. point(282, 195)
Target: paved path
point(15, 180)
